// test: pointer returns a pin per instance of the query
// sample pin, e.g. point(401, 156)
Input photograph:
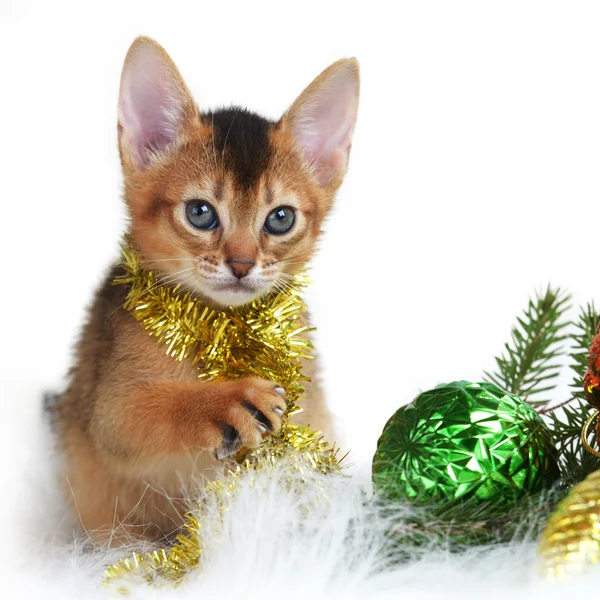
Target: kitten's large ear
point(153, 102)
point(322, 119)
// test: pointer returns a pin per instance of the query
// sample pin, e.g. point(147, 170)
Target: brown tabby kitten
point(227, 204)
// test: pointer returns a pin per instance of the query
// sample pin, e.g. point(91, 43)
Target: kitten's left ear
point(323, 117)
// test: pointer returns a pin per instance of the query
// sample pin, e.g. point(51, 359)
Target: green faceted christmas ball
point(464, 441)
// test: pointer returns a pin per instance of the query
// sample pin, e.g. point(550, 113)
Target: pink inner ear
point(150, 105)
point(325, 122)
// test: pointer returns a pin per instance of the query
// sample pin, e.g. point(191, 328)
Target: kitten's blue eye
point(280, 220)
point(201, 214)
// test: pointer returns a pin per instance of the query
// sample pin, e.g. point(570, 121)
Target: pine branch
point(567, 422)
point(529, 366)
point(586, 328)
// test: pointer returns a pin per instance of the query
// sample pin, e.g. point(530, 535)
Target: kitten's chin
point(231, 295)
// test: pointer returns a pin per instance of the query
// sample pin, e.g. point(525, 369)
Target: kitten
point(227, 204)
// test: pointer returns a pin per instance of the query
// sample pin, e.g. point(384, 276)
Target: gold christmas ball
point(571, 541)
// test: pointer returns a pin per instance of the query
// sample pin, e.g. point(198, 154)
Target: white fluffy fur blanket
point(266, 547)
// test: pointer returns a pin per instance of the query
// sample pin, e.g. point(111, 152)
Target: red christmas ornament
point(591, 387)
point(591, 381)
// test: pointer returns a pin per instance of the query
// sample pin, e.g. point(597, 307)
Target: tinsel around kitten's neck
point(227, 343)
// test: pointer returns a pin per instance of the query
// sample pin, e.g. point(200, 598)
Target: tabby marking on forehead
point(242, 139)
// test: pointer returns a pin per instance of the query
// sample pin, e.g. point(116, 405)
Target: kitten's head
point(228, 203)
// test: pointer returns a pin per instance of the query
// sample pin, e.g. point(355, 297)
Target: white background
point(473, 178)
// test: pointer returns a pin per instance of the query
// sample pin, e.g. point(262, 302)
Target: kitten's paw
point(256, 409)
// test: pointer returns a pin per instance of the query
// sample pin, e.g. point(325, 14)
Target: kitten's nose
point(240, 267)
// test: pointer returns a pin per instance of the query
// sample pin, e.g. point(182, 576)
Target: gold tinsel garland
point(266, 339)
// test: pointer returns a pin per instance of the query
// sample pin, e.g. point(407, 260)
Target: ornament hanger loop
point(584, 433)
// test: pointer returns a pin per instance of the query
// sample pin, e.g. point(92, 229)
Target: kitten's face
point(228, 204)
point(228, 222)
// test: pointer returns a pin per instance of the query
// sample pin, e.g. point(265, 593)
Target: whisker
point(211, 159)
point(286, 287)
point(284, 284)
point(296, 262)
point(228, 132)
point(197, 164)
point(277, 286)
point(286, 258)
point(186, 280)
point(212, 125)
point(167, 279)
point(157, 260)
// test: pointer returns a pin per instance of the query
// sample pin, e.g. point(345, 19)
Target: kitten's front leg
point(159, 418)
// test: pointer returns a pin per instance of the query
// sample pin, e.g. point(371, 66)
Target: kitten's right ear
point(154, 102)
